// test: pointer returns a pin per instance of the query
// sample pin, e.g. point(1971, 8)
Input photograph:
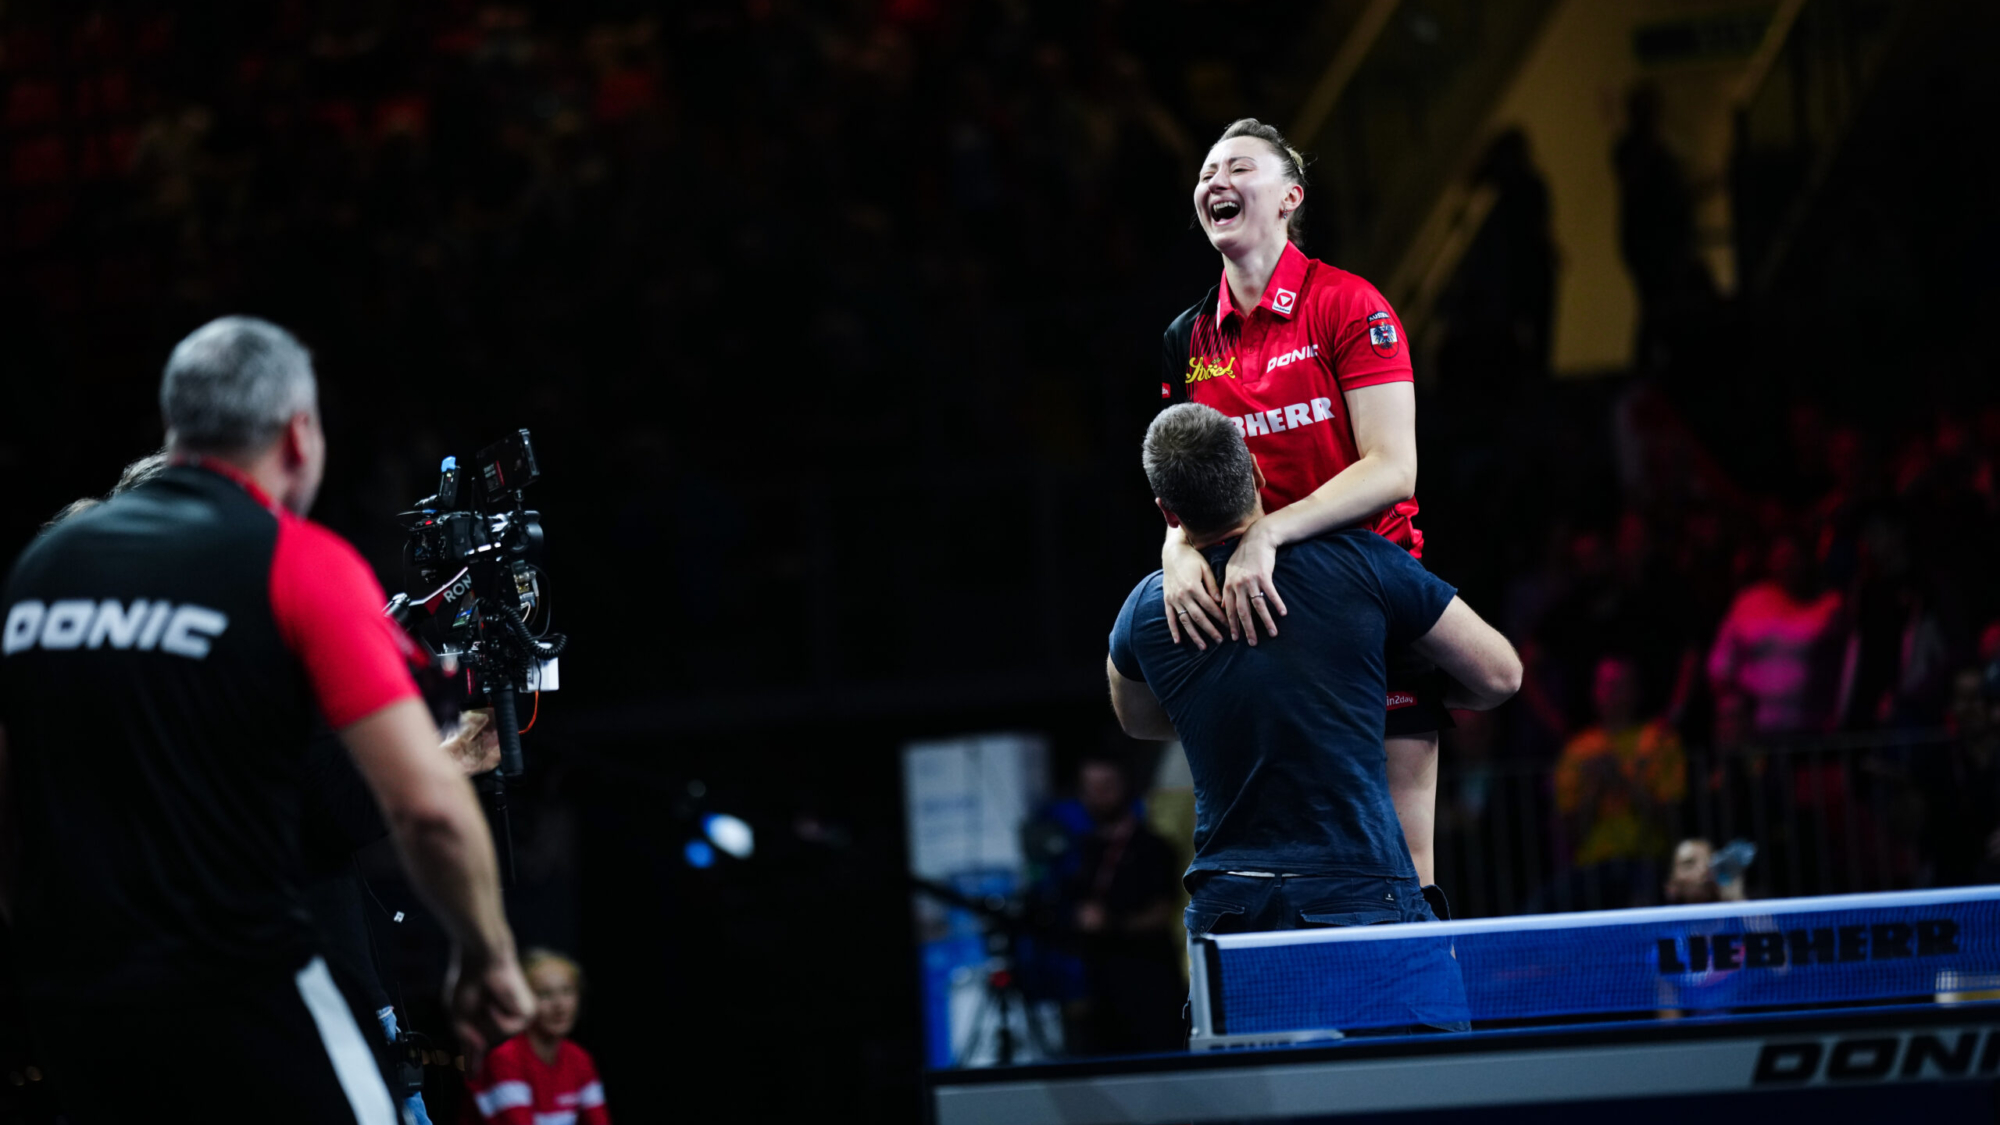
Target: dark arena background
point(837, 327)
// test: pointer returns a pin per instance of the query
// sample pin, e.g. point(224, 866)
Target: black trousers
point(291, 1048)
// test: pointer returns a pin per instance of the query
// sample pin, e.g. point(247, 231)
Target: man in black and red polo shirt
point(165, 656)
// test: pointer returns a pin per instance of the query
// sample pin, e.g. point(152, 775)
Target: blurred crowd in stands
point(1753, 583)
point(824, 243)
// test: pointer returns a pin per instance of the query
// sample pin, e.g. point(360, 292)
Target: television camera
point(475, 552)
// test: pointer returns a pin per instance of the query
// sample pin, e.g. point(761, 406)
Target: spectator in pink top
point(1779, 645)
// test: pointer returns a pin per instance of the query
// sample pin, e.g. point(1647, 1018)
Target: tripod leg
point(975, 1034)
point(1005, 1055)
point(1038, 1037)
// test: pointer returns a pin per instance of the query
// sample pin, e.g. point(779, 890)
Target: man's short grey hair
point(1199, 467)
point(233, 384)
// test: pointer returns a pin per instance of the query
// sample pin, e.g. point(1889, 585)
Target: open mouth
point(1223, 211)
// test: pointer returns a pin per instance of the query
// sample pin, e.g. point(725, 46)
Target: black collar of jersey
point(1178, 345)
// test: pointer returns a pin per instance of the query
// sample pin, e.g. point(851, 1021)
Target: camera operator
point(165, 654)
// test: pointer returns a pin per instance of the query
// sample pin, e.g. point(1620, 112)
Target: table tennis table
point(1855, 1007)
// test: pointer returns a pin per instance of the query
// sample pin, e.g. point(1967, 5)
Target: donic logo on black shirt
point(183, 630)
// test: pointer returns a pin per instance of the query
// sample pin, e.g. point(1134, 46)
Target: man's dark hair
point(1199, 467)
point(1106, 759)
point(233, 384)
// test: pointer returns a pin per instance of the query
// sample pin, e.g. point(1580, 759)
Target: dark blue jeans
point(1220, 903)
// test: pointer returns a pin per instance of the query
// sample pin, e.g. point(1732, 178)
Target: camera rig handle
point(506, 721)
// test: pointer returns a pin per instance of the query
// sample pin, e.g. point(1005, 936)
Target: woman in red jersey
point(1310, 363)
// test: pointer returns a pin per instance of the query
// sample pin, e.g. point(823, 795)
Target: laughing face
point(1244, 195)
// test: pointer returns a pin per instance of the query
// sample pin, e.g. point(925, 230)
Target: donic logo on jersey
point(183, 630)
point(1201, 369)
point(1291, 357)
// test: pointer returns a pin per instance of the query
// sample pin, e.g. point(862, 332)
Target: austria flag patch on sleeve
point(1382, 334)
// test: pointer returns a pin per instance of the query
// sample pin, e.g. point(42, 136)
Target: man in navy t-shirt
point(1294, 826)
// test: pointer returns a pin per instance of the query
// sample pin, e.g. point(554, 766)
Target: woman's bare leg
point(1413, 786)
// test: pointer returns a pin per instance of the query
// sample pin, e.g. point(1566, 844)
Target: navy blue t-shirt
point(1285, 739)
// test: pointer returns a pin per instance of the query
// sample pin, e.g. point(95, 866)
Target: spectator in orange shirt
point(1615, 784)
point(540, 1077)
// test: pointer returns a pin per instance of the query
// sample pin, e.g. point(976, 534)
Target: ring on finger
point(1258, 594)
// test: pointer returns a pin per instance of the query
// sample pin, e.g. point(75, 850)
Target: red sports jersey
point(1280, 373)
point(517, 1088)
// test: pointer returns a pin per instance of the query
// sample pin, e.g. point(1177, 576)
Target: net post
point(1201, 1016)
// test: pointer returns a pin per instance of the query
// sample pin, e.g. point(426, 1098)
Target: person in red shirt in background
point(540, 1077)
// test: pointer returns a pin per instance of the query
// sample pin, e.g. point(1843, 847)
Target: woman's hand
point(1191, 594)
point(1248, 594)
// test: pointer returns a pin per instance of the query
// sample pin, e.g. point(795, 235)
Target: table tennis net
point(1798, 952)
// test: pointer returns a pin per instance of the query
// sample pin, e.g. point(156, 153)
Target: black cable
point(375, 951)
point(546, 650)
point(543, 603)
